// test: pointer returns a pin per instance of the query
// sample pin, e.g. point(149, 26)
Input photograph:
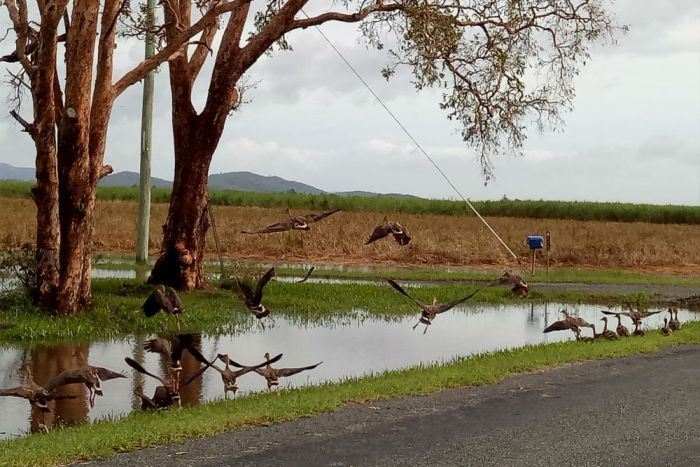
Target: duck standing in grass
point(272, 375)
point(165, 299)
point(621, 329)
point(607, 333)
point(635, 316)
point(253, 299)
point(673, 322)
point(666, 329)
point(520, 287)
point(428, 312)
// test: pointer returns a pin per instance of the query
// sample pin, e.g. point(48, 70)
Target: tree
point(500, 62)
point(71, 111)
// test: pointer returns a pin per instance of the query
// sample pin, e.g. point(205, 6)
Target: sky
point(633, 136)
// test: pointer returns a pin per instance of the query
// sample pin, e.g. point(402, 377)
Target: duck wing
point(307, 275)
point(446, 306)
point(105, 374)
point(247, 293)
point(562, 325)
point(278, 227)
point(136, 366)
point(73, 376)
point(379, 232)
point(155, 302)
point(159, 345)
point(403, 292)
point(317, 217)
point(146, 402)
point(183, 342)
point(174, 299)
point(284, 372)
point(21, 391)
point(244, 368)
point(261, 283)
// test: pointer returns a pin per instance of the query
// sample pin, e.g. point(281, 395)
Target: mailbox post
point(535, 242)
point(547, 246)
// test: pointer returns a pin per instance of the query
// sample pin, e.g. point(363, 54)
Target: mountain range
point(241, 181)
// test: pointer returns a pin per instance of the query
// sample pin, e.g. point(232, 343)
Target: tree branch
point(172, 50)
point(345, 17)
point(28, 127)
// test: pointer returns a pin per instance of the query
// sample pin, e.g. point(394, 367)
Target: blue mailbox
point(535, 242)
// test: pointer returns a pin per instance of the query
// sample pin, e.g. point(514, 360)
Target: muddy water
point(349, 347)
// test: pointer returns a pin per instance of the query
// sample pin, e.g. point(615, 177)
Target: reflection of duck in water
point(428, 312)
point(272, 375)
point(38, 396)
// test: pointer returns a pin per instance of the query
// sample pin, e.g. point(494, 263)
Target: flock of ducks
point(172, 347)
point(576, 324)
point(386, 228)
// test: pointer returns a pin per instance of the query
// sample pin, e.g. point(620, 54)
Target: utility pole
point(146, 131)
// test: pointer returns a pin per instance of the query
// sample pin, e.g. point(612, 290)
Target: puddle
point(349, 347)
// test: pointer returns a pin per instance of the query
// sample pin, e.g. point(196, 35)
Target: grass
point(576, 210)
point(141, 430)
point(435, 274)
point(116, 303)
point(436, 239)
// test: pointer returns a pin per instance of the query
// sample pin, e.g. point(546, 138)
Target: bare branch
point(28, 127)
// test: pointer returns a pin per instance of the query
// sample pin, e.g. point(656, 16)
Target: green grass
point(116, 303)
point(141, 430)
point(441, 273)
point(576, 210)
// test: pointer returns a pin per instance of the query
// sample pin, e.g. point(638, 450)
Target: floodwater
point(349, 347)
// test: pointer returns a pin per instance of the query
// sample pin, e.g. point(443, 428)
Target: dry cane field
point(455, 240)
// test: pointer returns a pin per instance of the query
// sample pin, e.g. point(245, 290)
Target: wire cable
point(415, 141)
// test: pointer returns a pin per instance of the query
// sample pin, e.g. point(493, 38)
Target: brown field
point(444, 240)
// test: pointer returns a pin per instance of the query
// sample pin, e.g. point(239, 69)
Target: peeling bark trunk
point(180, 264)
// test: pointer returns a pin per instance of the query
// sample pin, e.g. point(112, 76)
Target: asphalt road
point(637, 411)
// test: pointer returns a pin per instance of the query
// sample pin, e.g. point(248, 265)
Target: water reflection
point(355, 345)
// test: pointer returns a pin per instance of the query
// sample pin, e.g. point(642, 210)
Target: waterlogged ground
point(349, 347)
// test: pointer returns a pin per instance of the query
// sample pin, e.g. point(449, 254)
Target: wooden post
point(547, 245)
point(146, 131)
point(533, 261)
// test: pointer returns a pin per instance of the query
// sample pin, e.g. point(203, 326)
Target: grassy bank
point(576, 210)
point(139, 430)
point(115, 310)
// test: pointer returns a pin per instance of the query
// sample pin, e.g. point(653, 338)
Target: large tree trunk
point(180, 264)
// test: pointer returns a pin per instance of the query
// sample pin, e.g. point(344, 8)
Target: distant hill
point(9, 172)
point(241, 181)
point(132, 179)
point(248, 181)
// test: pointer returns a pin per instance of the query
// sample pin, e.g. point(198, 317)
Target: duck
point(606, 333)
point(165, 395)
point(637, 330)
point(573, 323)
point(37, 396)
point(666, 329)
point(635, 316)
point(399, 232)
point(171, 348)
point(428, 312)
point(293, 223)
point(253, 300)
point(165, 299)
point(272, 375)
point(621, 329)
point(520, 287)
point(89, 375)
point(229, 376)
point(673, 322)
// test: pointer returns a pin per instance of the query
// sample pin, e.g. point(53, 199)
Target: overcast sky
point(634, 134)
